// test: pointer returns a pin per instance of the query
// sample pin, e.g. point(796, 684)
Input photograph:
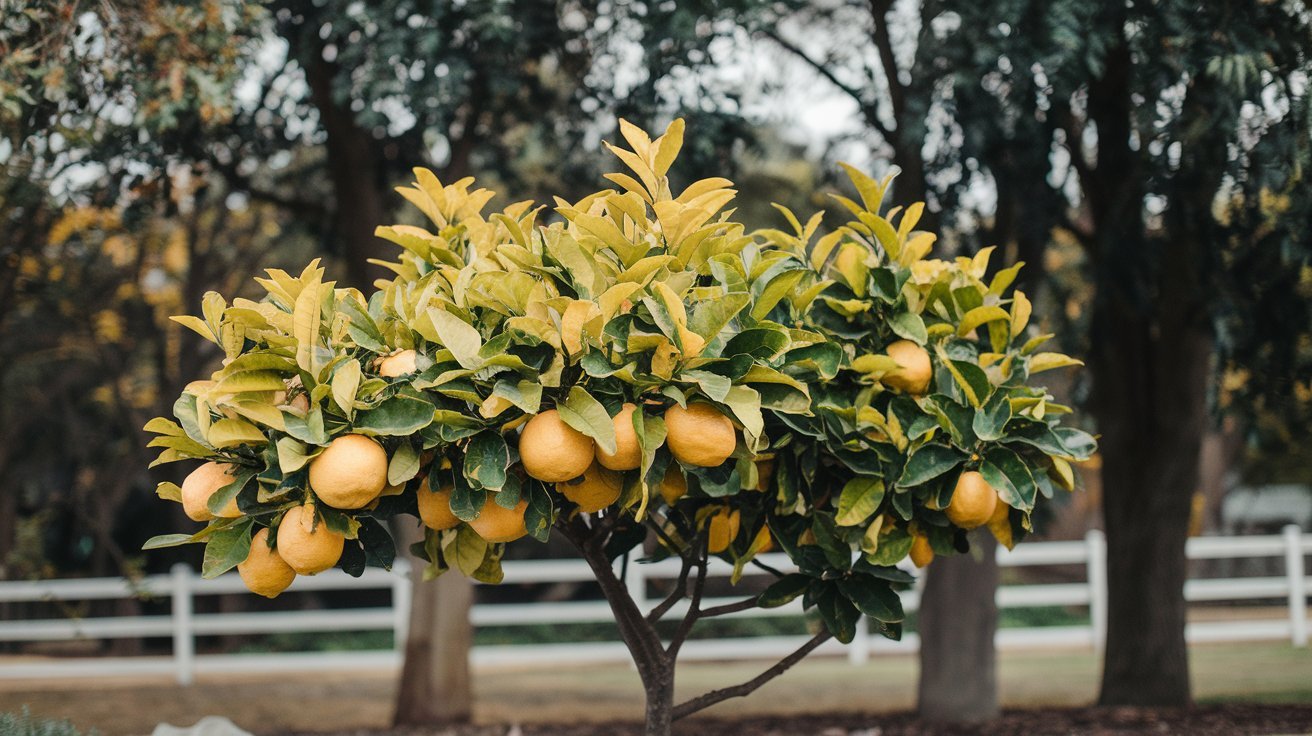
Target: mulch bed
point(1209, 720)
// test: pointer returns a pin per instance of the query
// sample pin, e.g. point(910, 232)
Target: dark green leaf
point(929, 462)
point(784, 590)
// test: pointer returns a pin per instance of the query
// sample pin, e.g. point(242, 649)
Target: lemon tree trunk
point(435, 686)
point(957, 620)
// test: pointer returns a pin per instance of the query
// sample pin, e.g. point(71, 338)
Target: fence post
point(184, 645)
point(858, 652)
point(401, 592)
point(1096, 566)
point(636, 580)
point(1297, 585)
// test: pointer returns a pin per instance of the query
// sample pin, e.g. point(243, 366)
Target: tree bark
point(957, 621)
point(1150, 371)
point(435, 686)
point(358, 180)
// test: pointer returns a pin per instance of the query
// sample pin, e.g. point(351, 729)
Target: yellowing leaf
point(1040, 362)
point(1020, 313)
point(668, 146)
point(978, 316)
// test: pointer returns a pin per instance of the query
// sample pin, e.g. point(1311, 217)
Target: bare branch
point(676, 595)
point(728, 608)
point(868, 109)
point(702, 702)
point(694, 604)
point(879, 10)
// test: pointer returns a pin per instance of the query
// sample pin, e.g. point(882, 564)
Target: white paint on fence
point(183, 624)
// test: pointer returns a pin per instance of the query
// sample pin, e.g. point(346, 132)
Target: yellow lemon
point(699, 435)
point(308, 547)
point(627, 455)
point(397, 364)
point(200, 484)
point(553, 451)
point(497, 524)
point(350, 473)
point(435, 508)
point(921, 553)
point(724, 528)
point(673, 486)
point(596, 489)
point(914, 372)
point(973, 501)
point(264, 571)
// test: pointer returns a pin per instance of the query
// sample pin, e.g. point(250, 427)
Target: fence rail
point(183, 625)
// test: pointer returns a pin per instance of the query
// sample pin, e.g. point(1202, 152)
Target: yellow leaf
point(1040, 362)
point(668, 146)
point(572, 322)
point(1065, 476)
point(1020, 313)
point(978, 316)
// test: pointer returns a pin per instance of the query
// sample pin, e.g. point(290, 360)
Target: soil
point(1209, 720)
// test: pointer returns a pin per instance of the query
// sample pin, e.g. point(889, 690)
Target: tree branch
point(896, 91)
point(694, 605)
point(868, 110)
point(702, 702)
point(676, 595)
point(728, 608)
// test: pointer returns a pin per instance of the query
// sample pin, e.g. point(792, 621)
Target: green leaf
point(1078, 444)
point(168, 540)
point(486, 460)
point(227, 548)
point(404, 464)
point(225, 494)
point(873, 597)
point(240, 381)
point(1010, 477)
point(784, 590)
point(585, 414)
point(909, 326)
point(928, 463)
point(838, 614)
point(713, 385)
point(860, 498)
point(457, 336)
point(232, 432)
point(169, 491)
point(398, 416)
point(778, 287)
point(466, 551)
point(710, 317)
point(292, 455)
point(991, 418)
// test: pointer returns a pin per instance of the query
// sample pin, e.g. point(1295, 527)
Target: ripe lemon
point(350, 473)
point(200, 484)
point(921, 553)
point(397, 364)
point(973, 501)
point(308, 547)
point(435, 508)
point(497, 524)
point(553, 451)
point(673, 486)
point(596, 489)
point(699, 435)
point(914, 372)
point(724, 528)
point(264, 571)
point(627, 455)
point(764, 472)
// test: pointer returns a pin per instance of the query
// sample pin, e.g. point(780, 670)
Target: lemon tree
point(632, 366)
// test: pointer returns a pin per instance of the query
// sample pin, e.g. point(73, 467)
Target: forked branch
point(703, 702)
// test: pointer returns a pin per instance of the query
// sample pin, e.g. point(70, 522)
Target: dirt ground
point(1045, 692)
point(1216, 720)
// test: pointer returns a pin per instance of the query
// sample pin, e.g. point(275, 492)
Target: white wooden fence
point(183, 624)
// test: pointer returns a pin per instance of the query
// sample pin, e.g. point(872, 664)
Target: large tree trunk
point(435, 686)
point(1150, 367)
point(957, 621)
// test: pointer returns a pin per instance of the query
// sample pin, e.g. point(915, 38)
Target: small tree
point(641, 373)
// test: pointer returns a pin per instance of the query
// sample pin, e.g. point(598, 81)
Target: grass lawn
point(1269, 673)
